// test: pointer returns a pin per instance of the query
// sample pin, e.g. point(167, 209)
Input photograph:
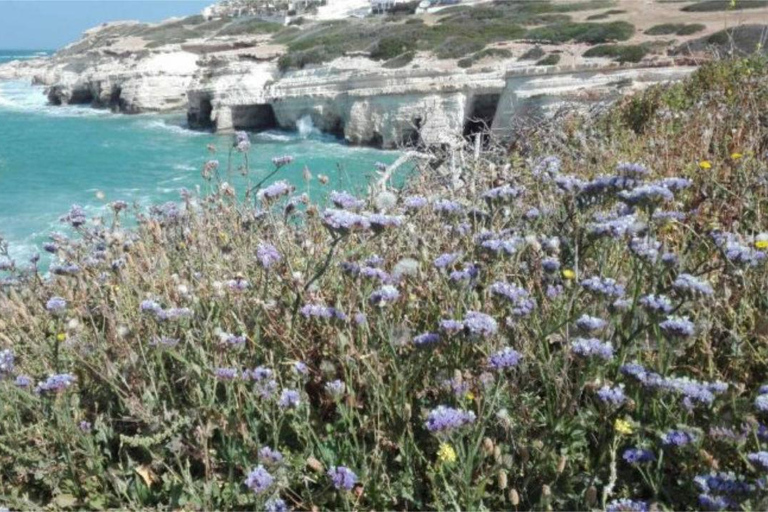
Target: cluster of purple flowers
point(319, 311)
point(414, 203)
point(615, 227)
point(76, 216)
point(448, 207)
point(344, 222)
point(427, 338)
point(259, 480)
point(444, 419)
point(626, 505)
point(342, 477)
point(692, 391)
point(447, 259)
point(7, 361)
point(678, 438)
point(242, 142)
point(590, 324)
point(646, 249)
point(335, 388)
point(688, 285)
point(55, 383)
point(612, 395)
point(647, 195)
point(281, 161)
point(268, 255)
point(503, 194)
point(505, 358)
point(276, 190)
point(592, 347)
point(384, 295)
point(678, 327)
point(657, 304)
point(605, 286)
point(522, 303)
point(269, 456)
point(171, 314)
point(289, 399)
point(638, 455)
point(345, 201)
point(467, 274)
point(506, 246)
point(380, 222)
point(474, 324)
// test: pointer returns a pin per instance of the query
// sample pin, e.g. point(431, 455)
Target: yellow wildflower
point(446, 453)
point(61, 336)
point(761, 244)
point(736, 156)
point(622, 427)
point(469, 396)
point(568, 274)
point(705, 164)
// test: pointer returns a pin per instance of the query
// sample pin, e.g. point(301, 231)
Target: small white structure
point(382, 6)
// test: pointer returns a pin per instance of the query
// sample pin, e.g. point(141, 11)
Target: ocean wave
point(184, 167)
point(161, 125)
point(25, 97)
point(273, 136)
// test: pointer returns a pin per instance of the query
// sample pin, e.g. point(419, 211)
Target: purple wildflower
point(281, 161)
point(759, 459)
point(603, 286)
point(7, 362)
point(259, 480)
point(164, 341)
point(342, 477)
point(589, 324)
point(226, 373)
point(384, 295)
point(22, 381)
point(658, 304)
point(677, 438)
point(344, 222)
point(267, 254)
point(503, 194)
point(688, 285)
point(446, 259)
point(85, 426)
point(638, 456)
point(55, 383)
point(646, 195)
point(676, 326)
point(444, 419)
point(626, 505)
point(632, 170)
point(318, 311)
point(289, 399)
point(480, 324)
point(427, 338)
point(276, 190)
point(592, 347)
point(335, 388)
point(612, 395)
point(505, 358)
point(275, 504)
point(447, 207)
point(414, 203)
point(379, 222)
point(269, 456)
point(238, 284)
point(761, 403)
point(345, 201)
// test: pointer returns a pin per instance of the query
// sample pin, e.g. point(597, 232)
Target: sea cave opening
point(257, 117)
point(481, 114)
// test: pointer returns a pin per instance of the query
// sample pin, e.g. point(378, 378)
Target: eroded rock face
point(228, 85)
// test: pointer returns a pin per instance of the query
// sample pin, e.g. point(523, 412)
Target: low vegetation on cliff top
point(574, 322)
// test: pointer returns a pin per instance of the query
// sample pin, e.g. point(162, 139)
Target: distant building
point(382, 6)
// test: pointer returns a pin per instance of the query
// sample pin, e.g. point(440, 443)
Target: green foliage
point(605, 15)
point(724, 5)
point(550, 60)
point(500, 53)
point(534, 53)
point(680, 29)
point(592, 33)
point(620, 53)
point(400, 61)
point(250, 26)
point(167, 433)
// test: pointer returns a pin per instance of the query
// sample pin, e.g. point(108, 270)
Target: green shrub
point(620, 53)
point(604, 15)
point(400, 60)
point(592, 33)
point(550, 60)
point(389, 47)
point(533, 53)
point(724, 5)
point(680, 29)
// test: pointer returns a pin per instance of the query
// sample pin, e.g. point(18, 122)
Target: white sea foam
point(273, 136)
point(162, 125)
point(25, 97)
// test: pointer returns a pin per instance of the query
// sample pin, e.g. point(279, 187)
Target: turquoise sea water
point(53, 157)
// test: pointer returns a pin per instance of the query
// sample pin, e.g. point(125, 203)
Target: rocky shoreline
point(227, 83)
